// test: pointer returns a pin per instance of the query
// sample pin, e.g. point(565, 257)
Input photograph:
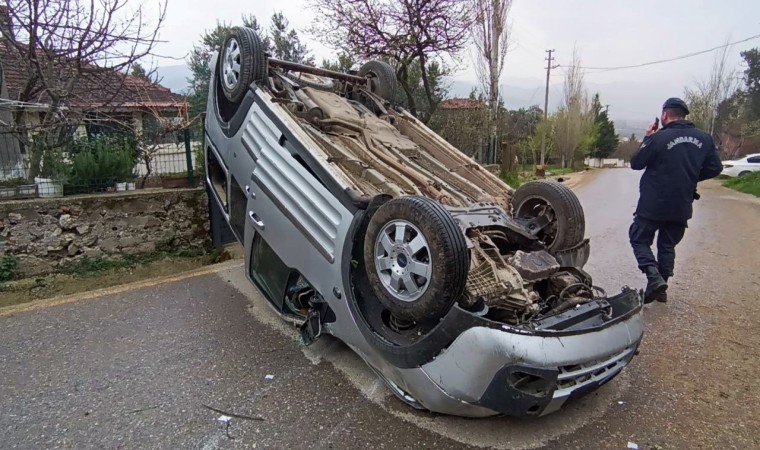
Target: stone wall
point(46, 234)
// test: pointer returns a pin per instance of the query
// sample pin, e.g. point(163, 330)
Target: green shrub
point(100, 162)
point(14, 182)
point(8, 267)
point(200, 161)
point(53, 165)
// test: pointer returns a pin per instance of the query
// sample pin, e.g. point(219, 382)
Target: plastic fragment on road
point(224, 419)
point(633, 445)
point(620, 402)
point(269, 377)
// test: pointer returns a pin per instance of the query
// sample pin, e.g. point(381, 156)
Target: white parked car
point(742, 166)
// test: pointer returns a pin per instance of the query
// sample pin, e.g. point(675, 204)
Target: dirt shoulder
point(99, 274)
point(576, 180)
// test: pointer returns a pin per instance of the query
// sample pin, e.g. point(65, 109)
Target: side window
point(268, 271)
point(753, 159)
point(237, 206)
point(217, 176)
point(284, 287)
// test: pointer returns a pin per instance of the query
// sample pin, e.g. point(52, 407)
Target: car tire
point(569, 224)
point(383, 82)
point(417, 275)
point(243, 61)
point(744, 173)
point(311, 81)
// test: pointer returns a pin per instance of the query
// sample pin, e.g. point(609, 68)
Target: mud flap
point(574, 257)
point(311, 329)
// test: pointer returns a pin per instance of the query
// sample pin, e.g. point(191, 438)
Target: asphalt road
point(147, 366)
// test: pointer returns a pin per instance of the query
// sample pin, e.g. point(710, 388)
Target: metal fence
point(106, 161)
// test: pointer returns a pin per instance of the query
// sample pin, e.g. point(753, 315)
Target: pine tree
point(138, 71)
point(200, 59)
point(607, 141)
point(286, 44)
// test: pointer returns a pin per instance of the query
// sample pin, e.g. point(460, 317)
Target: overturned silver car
point(465, 296)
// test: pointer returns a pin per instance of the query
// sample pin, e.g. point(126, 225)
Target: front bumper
point(488, 371)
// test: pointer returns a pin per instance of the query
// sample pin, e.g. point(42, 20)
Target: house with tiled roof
point(461, 122)
point(462, 104)
point(99, 98)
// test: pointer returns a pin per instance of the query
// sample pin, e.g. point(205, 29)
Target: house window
point(160, 130)
point(101, 124)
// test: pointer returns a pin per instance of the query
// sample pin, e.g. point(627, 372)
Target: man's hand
point(652, 129)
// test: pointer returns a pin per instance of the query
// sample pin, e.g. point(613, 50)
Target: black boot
point(656, 285)
point(664, 297)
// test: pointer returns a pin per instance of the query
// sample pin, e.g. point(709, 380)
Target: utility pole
point(549, 68)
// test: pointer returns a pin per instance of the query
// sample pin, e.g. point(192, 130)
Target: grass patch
point(556, 170)
point(511, 178)
point(749, 184)
point(551, 169)
point(527, 173)
point(86, 266)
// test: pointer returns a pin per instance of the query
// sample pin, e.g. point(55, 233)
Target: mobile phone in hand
point(656, 123)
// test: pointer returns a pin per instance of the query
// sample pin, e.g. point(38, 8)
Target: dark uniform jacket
point(676, 158)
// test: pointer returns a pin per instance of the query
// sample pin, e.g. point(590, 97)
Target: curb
point(92, 295)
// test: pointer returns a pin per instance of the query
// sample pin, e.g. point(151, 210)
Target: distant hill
point(515, 97)
point(633, 104)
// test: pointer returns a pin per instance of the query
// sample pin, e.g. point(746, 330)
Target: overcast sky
point(607, 33)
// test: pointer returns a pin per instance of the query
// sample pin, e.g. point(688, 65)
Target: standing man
point(674, 160)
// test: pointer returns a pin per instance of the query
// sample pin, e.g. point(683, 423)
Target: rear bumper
point(524, 375)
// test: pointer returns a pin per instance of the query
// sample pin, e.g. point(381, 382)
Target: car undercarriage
point(389, 152)
point(361, 222)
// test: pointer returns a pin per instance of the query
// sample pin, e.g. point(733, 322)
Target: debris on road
point(269, 377)
point(633, 445)
point(237, 416)
point(224, 419)
point(149, 408)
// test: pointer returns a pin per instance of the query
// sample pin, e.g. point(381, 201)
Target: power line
point(677, 58)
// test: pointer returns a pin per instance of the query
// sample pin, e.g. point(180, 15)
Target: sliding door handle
point(255, 219)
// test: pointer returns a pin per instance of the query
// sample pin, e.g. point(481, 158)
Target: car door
point(295, 225)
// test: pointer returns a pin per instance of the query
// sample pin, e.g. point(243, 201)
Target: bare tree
point(574, 121)
point(705, 99)
point(490, 33)
point(400, 32)
point(69, 49)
